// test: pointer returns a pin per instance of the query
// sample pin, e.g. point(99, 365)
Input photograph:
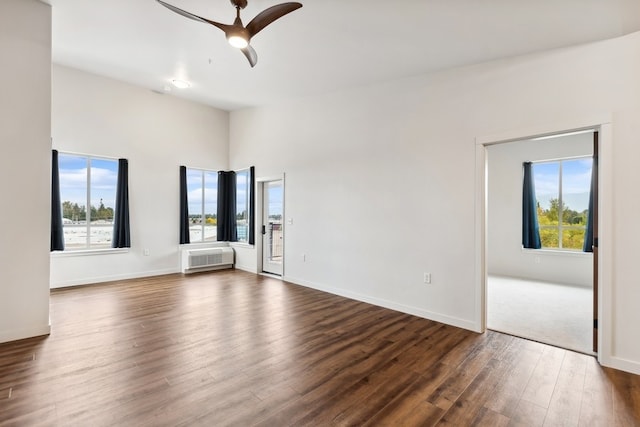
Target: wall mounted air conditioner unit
point(195, 260)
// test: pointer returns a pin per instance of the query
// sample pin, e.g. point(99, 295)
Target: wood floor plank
point(528, 414)
point(231, 348)
point(469, 407)
point(410, 407)
point(386, 392)
point(566, 401)
point(597, 398)
point(349, 377)
point(508, 393)
point(543, 380)
point(489, 418)
point(626, 398)
point(463, 375)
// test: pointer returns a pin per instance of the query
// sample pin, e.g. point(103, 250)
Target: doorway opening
point(545, 292)
point(272, 227)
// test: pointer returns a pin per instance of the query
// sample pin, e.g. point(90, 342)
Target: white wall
point(381, 180)
point(156, 133)
point(25, 168)
point(505, 255)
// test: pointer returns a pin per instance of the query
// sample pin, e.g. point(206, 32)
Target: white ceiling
point(327, 45)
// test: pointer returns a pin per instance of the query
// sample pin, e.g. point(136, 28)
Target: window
point(562, 193)
point(202, 191)
point(242, 204)
point(87, 194)
point(202, 196)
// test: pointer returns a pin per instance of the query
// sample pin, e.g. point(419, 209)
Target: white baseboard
point(622, 364)
point(112, 277)
point(245, 268)
point(20, 334)
point(392, 305)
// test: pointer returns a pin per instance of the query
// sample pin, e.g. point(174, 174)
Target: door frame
point(260, 183)
point(603, 125)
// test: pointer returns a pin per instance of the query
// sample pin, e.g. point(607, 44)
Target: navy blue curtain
point(57, 233)
point(121, 232)
point(184, 207)
point(252, 205)
point(226, 227)
point(530, 228)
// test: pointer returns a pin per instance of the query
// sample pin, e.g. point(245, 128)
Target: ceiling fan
point(237, 34)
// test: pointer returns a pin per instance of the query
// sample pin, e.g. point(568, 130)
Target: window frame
point(88, 247)
point(240, 238)
point(247, 201)
point(202, 200)
point(560, 227)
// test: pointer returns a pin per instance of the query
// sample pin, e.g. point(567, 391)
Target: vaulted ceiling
point(327, 45)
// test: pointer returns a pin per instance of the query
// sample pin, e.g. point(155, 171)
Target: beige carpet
point(554, 314)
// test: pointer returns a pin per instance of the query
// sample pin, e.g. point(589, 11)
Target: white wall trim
point(605, 247)
point(480, 267)
point(270, 178)
point(541, 130)
point(248, 269)
point(602, 123)
point(202, 245)
point(18, 334)
point(556, 253)
point(89, 252)
point(623, 365)
point(437, 317)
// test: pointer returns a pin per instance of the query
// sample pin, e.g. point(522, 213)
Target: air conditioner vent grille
point(203, 259)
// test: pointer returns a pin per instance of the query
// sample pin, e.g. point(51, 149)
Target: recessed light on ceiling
point(180, 84)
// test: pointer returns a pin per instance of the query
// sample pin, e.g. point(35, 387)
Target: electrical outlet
point(145, 252)
point(304, 257)
point(427, 278)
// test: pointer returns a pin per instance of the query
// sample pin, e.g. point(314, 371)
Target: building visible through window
point(562, 192)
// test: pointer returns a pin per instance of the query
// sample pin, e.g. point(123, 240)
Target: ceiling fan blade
point(251, 55)
point(269, 15)
point(190, 15)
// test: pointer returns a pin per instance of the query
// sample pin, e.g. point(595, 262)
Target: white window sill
point(89, 252)
point(241, 245)
point(203, 245)
point(196, 245)
point(557, 252)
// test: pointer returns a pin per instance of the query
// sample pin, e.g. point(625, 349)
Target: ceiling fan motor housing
point(239, 3)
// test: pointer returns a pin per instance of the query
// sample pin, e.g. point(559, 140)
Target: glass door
point(272, 227)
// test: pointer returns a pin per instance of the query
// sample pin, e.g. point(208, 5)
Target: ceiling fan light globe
point(238, 41)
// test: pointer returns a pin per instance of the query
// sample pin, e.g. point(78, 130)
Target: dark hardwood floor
point(233, 348)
